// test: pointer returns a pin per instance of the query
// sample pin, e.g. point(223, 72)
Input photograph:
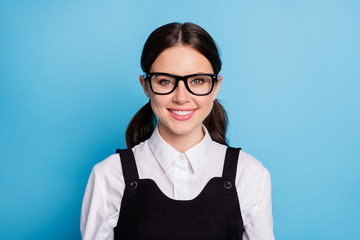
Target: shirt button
point(179, 172)
point(181, 157)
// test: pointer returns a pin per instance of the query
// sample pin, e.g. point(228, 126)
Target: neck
point(181, 142)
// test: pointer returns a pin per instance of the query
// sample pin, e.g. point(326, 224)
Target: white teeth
point(181, 113)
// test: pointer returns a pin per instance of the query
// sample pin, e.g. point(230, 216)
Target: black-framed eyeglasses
point(200, 84)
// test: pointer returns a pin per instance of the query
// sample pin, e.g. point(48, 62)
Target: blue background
point(69, 86)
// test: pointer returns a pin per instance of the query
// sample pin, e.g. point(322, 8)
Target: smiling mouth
point(181, 112)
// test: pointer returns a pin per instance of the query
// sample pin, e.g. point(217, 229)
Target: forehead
point(181, 60)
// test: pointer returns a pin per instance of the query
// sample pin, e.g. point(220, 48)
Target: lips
point(182, 114)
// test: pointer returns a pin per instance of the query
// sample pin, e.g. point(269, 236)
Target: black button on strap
point(227, 184)
point(133, 184)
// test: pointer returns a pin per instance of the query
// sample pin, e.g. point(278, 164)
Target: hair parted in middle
point(188, 34)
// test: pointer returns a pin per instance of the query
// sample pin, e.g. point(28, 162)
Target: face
point(181, 113)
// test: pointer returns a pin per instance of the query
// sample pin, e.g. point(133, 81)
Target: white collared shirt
point(180, 176)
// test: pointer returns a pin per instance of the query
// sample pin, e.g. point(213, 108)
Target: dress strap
point(128, 164)
point(230, 163)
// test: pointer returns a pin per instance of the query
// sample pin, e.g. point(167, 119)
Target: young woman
point(178, 179)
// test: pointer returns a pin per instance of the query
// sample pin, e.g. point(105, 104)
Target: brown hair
point(173, 34)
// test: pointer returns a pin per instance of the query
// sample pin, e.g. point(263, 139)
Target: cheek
point(206, 103)
point(159, 102)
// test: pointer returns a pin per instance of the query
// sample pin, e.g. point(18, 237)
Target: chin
point(182, 129)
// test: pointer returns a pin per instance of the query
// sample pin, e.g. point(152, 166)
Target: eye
point(165, 82)
point(197, 81)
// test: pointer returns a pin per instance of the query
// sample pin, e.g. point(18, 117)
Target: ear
point(217, 87)
point(145, 85)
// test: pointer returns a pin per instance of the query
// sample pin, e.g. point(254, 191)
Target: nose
point(181, 94)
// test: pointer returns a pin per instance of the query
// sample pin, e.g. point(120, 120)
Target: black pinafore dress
point(146, 213)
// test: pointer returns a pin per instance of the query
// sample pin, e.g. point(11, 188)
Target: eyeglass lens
point(200, 84)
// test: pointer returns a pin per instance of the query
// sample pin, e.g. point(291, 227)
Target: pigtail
point(141, 126)
point(216, 123)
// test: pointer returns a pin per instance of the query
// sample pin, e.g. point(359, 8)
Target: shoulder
point(111, 166)
point(109, 163)
point(252, 178)
point(107, 179)
point(251, 173)
point(249, 165)
point(108, 171)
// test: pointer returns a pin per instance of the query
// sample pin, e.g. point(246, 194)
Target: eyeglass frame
point(214, 78)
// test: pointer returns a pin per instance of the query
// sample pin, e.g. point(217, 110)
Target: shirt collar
point(166, 154)
point(199, 153)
